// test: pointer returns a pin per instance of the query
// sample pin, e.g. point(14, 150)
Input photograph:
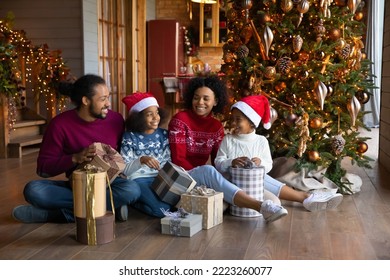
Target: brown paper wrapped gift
point(205, 201)
point(108, 159)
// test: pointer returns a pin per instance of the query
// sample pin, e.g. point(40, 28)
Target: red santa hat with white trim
point(256, 108)
point(139, 101)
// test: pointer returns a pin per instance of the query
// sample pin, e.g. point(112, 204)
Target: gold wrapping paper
point(89, 195)
point(209, 204)
point(85, 188)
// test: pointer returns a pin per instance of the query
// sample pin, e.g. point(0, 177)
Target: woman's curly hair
point(213, 83)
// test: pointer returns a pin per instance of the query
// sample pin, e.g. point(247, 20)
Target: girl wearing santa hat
point(244, 145)
point(145, 149)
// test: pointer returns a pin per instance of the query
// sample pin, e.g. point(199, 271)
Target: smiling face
point(239, 123)
point(203, 101)
point(152, 119)
point(100, 102)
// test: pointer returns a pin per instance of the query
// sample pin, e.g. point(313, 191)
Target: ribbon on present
point(110, 156)
point(90, 200)
point(203, 191)
point(175, 222)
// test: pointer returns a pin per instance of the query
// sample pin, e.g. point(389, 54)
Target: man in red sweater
point(67, 142)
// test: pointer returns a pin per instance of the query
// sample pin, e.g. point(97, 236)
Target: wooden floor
point(358, 230)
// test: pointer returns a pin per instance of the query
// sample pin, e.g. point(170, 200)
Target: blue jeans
point(205, 175)
point(149, 202)
point(58, 195)
point(272, 185)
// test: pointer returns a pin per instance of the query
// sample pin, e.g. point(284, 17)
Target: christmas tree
point(307, 57)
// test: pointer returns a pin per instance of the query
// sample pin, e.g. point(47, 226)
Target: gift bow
point(202, 190)
point(180, 213)
point(90, 168)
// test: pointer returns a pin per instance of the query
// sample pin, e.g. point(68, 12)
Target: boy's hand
point(240, 161)
point(257, 161)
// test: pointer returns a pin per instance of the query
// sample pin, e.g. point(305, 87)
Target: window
point(112, 48)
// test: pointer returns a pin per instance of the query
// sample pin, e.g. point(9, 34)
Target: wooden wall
point(52, 22)
point(384, 129)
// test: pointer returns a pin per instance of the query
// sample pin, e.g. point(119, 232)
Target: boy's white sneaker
point(271, 211)
point(322, 201)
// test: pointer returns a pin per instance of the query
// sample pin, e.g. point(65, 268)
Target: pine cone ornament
point(338, 143)
point(284, 65)
point(344, 53)
point(242, 51)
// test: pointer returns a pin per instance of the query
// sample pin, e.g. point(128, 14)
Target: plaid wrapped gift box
point(178, 226)
point(108, 159)
point(250, 180)
point(171, 181)
point(205, 201)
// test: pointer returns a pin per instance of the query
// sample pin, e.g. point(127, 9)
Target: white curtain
point(374, 53)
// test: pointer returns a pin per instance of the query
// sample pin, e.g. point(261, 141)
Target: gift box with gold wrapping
point(89, 185)
point(171, 182)
point(94, 225)
point(205, 201)
point(108, 159)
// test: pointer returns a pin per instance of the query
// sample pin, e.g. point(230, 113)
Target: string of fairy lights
point(29, 70)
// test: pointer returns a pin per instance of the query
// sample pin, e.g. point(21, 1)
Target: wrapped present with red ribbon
point(108, 159)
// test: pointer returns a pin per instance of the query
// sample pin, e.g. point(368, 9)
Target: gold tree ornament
point(362, 147)
point(313, 156)
point(316, 123)
point(354, 107)
point(321, 91)
point(297, 43)
point(334, 34)
point(286, 5)
point(324, 8)
point(302, 8)
point(304, 133)
point(270, 72)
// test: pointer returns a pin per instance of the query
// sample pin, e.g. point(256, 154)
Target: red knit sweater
point(193, 139)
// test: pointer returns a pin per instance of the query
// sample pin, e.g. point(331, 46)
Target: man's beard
point(99, 115)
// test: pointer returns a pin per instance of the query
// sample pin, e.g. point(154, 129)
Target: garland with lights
point(307, 57)
point(24, 65)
